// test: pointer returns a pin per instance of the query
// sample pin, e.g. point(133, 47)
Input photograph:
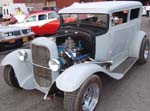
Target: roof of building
point(99, 7)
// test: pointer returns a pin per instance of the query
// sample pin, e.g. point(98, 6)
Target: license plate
point(25, 39)
point(12, 41)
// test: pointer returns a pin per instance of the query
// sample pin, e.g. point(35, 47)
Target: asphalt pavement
point(132, 93)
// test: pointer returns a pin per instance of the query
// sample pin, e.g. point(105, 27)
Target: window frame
point(124, 17)
point(44, 14)
point(137, 8)
point(30, 17)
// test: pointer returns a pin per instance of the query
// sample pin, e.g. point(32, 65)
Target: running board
point(125, 66)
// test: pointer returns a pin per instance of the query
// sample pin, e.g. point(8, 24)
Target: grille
point(40, 59)
point(25, 31)
point(16, 33)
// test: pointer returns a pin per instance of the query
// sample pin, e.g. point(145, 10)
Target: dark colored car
point(51, 8)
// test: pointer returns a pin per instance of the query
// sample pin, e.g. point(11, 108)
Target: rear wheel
point(10, 78)
point(144, 51)
point(86, 98)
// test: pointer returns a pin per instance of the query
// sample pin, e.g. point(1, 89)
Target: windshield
point(99, 20)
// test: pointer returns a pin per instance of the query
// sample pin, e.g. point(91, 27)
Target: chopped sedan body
point(100, 38)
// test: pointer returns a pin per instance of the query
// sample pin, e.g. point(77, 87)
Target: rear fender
point(72, 78)
point(136, 44)
point(23, 70)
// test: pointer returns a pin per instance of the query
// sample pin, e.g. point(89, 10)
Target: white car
point(105, 38)
point(12, 35)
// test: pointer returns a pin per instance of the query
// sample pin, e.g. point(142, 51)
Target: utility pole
point(46, 2)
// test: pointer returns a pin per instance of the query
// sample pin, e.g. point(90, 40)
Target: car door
point(30, 21)
point(120, 35)
point(49, 25)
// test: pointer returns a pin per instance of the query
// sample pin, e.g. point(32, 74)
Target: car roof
point(99, 7)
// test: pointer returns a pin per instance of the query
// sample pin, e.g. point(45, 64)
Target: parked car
point(10, 35)
point(101, 41)
point(53, 8)
point(43, 22)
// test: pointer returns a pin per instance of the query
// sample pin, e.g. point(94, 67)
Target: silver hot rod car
point(102, 38)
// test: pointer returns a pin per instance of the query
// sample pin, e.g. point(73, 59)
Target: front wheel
point(10, 78)
point(144, 51)
point(86, 98)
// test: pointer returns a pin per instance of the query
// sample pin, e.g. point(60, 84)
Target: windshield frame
point(62, 21)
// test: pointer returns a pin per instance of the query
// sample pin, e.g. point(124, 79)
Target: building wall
point(2, 2)
point(28, 1)
point(52, 3)
point(66, 3)
point(38, 4)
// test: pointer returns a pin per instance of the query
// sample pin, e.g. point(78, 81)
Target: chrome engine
point(71, 52)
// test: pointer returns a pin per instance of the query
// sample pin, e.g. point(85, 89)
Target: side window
point(119, 17)
point(53, 15)
point(134, 13)
point(42, 17)
point(31, 19)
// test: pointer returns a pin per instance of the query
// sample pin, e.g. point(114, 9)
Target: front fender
point(72, 78)
point(23, 70)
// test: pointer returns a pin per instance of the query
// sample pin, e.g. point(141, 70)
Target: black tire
point(9, 77)
point(73, 101)
point(19, 44)
point(144, 51)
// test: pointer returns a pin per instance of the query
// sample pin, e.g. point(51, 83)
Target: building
point(65, 3)
point(40, 3)
point(69, 2)
point(4, 2)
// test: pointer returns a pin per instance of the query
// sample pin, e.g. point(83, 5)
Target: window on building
point(39, 1)
point(119, 17)
point(29, 1)
point(134, 13)
point(35, 1)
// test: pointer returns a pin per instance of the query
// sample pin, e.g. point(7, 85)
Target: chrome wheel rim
point(90, 97)
point(146, 52)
